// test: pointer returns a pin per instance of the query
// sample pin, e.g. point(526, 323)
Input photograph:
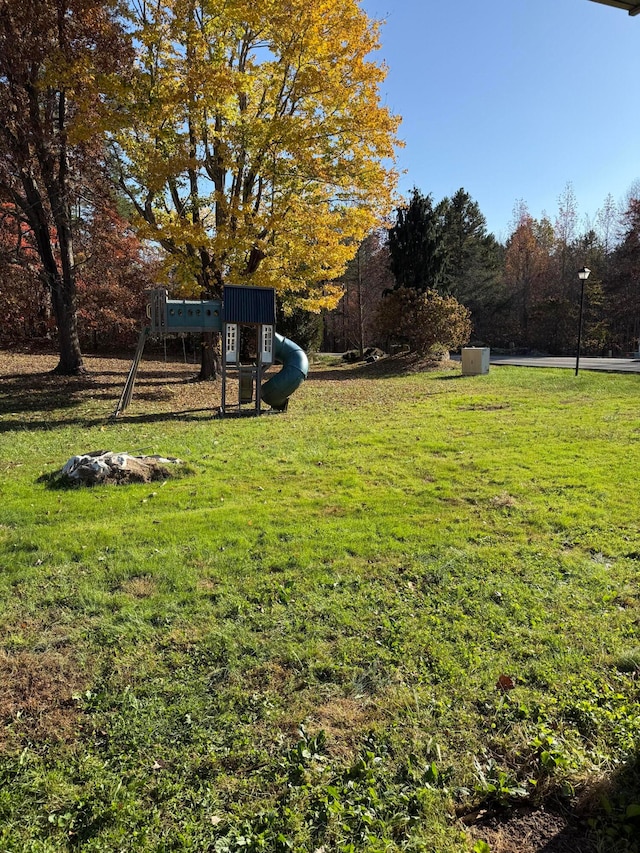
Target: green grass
point(297, 645)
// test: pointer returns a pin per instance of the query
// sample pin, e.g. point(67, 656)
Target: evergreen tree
point(473, 273)
point(623, 285)
point(303, 327)
point(418, 251)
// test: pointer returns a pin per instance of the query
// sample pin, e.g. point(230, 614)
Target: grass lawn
point(346, 628)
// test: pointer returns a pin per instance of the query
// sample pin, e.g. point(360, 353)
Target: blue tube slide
point(295, 366)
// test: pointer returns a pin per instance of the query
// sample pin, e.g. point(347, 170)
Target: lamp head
point(583, 274)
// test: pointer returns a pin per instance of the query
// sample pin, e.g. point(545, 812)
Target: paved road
point(610, 365)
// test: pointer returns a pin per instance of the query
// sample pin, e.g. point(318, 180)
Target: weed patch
point(36, 700)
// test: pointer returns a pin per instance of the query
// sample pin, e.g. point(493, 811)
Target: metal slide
point(295, 366)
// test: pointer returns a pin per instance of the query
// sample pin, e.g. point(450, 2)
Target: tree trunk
point(210, 364)
point(360, 313)
point(211, 286)
point(64, 309)
point(61, 287)
point(65, 305)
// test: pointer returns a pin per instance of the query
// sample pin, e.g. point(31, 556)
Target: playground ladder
point(127, 391)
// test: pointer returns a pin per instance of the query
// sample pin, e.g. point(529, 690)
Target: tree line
point(523, 293)
point(242, 142)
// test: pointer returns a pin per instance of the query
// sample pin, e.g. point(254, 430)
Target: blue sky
point(513, 99)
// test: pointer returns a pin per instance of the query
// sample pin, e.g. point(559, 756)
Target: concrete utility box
point(475, 360)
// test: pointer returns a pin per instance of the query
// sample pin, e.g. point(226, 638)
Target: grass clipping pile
point(103, 467)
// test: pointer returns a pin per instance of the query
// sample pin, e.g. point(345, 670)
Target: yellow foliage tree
point(258, 150)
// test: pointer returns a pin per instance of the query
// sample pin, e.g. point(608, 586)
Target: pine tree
point(473, 273)
point(418, 251)
point(623, 286)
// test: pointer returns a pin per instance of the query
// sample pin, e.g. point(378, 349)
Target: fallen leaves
point(505, 683)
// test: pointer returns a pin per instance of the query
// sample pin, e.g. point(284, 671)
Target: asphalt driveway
point(609, 365)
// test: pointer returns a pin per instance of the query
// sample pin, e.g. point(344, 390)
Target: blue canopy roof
point(244, 304)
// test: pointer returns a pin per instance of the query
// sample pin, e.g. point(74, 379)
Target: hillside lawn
point(379, 622)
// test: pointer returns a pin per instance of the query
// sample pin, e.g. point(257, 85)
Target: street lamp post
point(583, 275)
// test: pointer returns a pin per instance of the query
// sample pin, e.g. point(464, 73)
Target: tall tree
point(260, 151)
point(565, 231)
point(418, 251)
point(57, 63)
point(526, 266)
point(353, 324)
point(596, 337)
point(623, 285)
point(473, 272)
point(607, 225)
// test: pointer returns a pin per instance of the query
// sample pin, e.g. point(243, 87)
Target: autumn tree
point(24, 301)
point(57, 64)
point(424, 320)
point(526, 266)
point(113, 271)
point(353, 324)
point(258, 151)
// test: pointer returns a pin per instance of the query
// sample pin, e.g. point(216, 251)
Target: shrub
point(424, 320)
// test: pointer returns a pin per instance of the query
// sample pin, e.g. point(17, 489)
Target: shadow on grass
point(41, 401)
point(384, 368)
point(203, 414)
point(190, 415)
point(605, 817)
point(23, 395)
point(612, 808)
point(27, 398)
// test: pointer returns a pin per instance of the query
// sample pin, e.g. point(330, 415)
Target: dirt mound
point(532, 830)
point(108, 468)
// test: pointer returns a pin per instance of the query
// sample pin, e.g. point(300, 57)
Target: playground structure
point(245, 316)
